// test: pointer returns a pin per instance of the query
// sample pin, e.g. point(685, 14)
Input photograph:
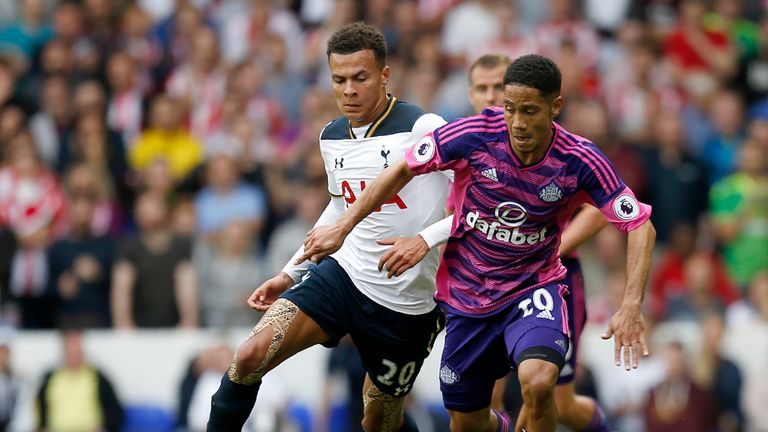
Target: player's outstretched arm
point(627, 325)
point(586, 224)
point(406, 252)
point(263, 296)
point(325, 240)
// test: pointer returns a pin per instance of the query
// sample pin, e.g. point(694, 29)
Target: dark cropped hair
point(358, 36)
point(535, 71)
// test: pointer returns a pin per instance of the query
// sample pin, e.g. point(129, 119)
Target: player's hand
point(405, 253)
point(322, 241)
point(263, 296)
point(627, 326)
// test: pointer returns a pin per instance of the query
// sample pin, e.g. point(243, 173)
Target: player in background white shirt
point(393, 322)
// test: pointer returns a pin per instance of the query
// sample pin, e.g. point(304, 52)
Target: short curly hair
point(535, 71)
point(356, 37)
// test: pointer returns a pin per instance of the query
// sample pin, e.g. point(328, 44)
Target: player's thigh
point(393, 345)
point(539, 327)
point(474, 356)
point(313, 312)
point(324, 299)
point(283, 331)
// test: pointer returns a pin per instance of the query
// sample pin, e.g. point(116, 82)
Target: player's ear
point(557, 106)
point(385, 72)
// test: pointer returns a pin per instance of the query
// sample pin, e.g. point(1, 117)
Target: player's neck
point(381, 105)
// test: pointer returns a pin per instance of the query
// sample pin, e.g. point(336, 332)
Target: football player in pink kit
point(518, 176)
point(579, 413)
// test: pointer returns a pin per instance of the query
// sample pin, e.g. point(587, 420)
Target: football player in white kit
point(393, 322)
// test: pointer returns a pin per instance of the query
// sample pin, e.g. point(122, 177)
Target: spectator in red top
point(699, 55)
point(669, 281)
point(33, 206)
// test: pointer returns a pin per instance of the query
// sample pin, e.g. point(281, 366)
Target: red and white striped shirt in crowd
point(124, 114)
point(550, 36)
point(28, 204)
point(204, 94)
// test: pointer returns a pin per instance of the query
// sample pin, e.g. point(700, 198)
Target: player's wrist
point(285, 279)
point(424, 243)
point(632, 305)
point(345, 225)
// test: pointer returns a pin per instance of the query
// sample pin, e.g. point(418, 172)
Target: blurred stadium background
point(159, 160)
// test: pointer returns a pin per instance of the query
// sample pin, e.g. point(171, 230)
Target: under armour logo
point(384, 154)
point(402, 390)
point(338, 163)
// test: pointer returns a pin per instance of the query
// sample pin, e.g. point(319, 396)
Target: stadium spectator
point(126, 104)
point(76, 395)
point(227, 198)
point(677, 404)
point(751, 309)
point(199, 383)
point(94, 182)
point(309, 202)
point(720, 151)
point(166, 139)
point(33, 206)
point(676, 178)
point(700, 56)
point(53, 122)
point(92, 143)
point(29, 33)
point(153, 282)
point(90, 98)
point(227, 271)
point(80, 267)
point(697, 297)
point(669, 281)
point(198, 83)
point(739, 207)
point(713, 371)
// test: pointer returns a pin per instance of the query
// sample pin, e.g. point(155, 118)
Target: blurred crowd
point(159, 158)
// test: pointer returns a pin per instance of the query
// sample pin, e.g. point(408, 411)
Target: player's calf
point(382, 412)
point(233, 401)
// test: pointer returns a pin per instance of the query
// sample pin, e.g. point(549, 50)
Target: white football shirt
point(353, 158)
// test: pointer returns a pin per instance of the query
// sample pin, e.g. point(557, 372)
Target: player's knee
point(252, 352)
point(537, 381)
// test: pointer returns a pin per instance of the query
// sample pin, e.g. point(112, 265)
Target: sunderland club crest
point(550, 193)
